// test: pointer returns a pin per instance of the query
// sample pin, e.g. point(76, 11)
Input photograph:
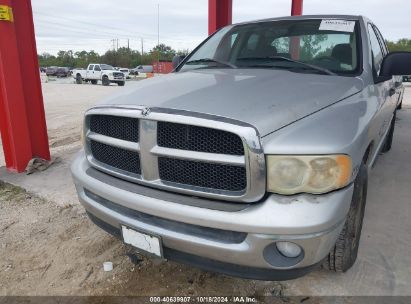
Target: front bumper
point(311, 221)
point(116, 78)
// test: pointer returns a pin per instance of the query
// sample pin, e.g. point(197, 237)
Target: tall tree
point(163, 52)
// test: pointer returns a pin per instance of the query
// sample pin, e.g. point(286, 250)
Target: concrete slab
point(53, 184)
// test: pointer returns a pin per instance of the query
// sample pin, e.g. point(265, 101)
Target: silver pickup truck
point(252, 158)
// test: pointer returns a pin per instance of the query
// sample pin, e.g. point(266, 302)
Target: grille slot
point(201, 139)
point(116, 157)
point(125, 128)
point(207, 175)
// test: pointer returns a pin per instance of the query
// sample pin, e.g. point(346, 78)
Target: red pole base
point(22, 118)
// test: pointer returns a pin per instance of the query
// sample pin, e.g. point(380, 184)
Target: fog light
point(288, 249)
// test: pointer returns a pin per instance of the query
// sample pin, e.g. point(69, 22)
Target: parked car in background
point(253, 157)
point(43, 70)
point(63, 72)
point(143, 69)
point(126, 72)
point(95, 72)
point(406, 78)
point(51, 71)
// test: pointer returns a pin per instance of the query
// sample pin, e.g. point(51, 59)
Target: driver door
point(97, 72)
point(384, 91)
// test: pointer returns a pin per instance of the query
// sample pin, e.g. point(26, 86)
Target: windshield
point(308, 46)
point(106, 67)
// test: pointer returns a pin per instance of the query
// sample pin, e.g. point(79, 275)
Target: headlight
point(110, 74)
point(288, 174)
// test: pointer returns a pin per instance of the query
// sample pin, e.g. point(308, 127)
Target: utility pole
point(142, 50)
point(128, 43)
point(158, 33)
point(158, 24)
point(114, 46)
point(117, 44)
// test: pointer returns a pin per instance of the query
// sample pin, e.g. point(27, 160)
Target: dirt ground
point(50, 250)
point(49, 247)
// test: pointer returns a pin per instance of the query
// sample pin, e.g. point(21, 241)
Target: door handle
point(391, 91)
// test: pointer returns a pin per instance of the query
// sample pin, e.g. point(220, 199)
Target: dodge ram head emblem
point(145, 111)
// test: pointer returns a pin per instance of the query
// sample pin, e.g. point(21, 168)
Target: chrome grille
point(207, 156)
point(215, 176)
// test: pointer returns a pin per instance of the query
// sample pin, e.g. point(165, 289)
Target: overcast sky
point(93, 24)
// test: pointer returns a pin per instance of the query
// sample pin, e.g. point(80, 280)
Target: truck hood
point(266, 99)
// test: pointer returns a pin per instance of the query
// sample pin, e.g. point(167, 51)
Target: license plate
point(149, 243)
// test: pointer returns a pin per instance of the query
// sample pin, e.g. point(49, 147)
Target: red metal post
point(296, 10)
point(220, 14)
point(22, 118)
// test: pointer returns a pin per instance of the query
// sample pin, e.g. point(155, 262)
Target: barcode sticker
point(337, 25)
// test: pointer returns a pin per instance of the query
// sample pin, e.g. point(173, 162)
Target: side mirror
point(395, 64)
point(177, 60)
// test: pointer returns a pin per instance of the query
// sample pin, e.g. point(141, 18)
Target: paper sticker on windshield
point(337, 25)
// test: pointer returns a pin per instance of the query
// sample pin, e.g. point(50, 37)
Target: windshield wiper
point(212, 60)
point(280, 58)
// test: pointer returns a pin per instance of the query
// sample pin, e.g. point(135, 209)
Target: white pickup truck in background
point(95, 72)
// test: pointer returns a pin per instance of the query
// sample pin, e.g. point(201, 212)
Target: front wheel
point(105, 81)
point(344, 253)
point(79, 80)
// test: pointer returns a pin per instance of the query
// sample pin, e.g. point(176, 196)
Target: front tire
point(344, 253)
point(105, 81)
point(79, 80)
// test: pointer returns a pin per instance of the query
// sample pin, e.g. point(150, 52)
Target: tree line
point(401, 45)
point(126, 57)
point(121, 57)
